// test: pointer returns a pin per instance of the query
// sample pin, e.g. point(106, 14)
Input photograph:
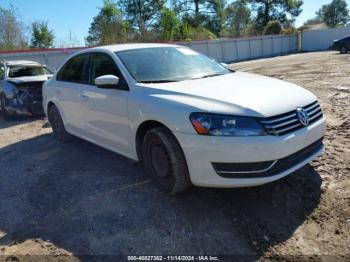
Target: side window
point(2, 72)
point(103, 64)
point(74, 70)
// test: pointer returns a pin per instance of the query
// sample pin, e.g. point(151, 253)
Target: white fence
point(52, 58)
point(320, 40)
point(222, 50)
point(239, 49)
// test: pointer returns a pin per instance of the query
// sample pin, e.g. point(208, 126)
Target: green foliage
point(42, 37)
point(142, 14)
point(271, 10)
point(273, 28)
point(336, 13)
point(216, 16)
point(169, 24)
point(191, 11)
point(108, 27)
point(238, 17)
point(189, 33)
point(12, 34)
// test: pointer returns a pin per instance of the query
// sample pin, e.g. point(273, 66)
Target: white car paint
point(110, 117)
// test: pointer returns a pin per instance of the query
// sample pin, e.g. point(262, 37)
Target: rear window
point(74, 70)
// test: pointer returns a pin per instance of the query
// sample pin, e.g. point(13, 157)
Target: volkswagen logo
point(303, 116)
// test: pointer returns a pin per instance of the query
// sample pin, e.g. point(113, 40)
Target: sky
point(71, 19)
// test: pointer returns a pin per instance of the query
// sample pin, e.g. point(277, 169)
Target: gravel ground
point(77, 199)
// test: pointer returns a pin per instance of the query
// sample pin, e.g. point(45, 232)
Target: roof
point(21, 62)
point(319, 26)
point(124, 47)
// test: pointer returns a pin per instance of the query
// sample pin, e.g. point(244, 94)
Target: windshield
point(169, 64)
point(21, 71)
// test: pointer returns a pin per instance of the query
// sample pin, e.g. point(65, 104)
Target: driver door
point(106, 110)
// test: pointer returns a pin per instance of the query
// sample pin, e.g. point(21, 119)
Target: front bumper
point(25, 107)
point(202, 151)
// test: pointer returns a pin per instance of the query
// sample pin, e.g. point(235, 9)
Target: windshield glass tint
point(21, 71)
point(169, 64)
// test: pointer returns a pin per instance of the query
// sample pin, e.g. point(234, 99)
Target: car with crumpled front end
point(21, 88)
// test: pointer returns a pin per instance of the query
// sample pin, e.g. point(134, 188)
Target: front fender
point(8, 89)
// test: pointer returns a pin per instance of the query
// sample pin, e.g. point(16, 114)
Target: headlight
point(225, 125)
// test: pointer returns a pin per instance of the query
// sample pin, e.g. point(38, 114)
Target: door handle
point(84, 97)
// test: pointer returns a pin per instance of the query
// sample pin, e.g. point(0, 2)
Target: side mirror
point(107, 81)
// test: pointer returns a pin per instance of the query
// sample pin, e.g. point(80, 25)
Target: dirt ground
point(66, 201)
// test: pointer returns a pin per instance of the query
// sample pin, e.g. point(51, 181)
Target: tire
point(343, 50)
point(59, 131)
point(164, 161)
point(3, 102)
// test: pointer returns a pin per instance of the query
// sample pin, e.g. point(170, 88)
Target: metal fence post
point(223, 53)
point(250, 48)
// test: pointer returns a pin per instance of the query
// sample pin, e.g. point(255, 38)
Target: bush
point(273, 28)
point(189, 33)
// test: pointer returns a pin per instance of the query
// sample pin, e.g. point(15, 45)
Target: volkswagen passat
point(189, 119)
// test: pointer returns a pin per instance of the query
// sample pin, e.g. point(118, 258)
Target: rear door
point(70, 83)
point(106, 110)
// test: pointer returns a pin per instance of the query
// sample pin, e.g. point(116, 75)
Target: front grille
point(286, 123)
point(229, 170)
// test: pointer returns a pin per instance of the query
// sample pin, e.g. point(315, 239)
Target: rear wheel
point(59, 131)
point(343, 50)
point(164, 161)
point(3, 103)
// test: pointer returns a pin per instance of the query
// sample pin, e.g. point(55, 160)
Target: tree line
point(170, 20)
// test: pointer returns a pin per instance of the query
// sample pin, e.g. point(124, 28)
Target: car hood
point(236, 93)
point(28, 79)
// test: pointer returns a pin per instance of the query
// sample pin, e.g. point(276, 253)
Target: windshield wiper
point(207, 76)
point(157, 81)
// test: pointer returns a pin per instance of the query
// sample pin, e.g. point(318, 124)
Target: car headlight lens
point(225, 125)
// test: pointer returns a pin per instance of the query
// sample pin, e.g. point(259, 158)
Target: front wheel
point(59, 131)
point(164, 161)
point(343, 50)
point(3, 103)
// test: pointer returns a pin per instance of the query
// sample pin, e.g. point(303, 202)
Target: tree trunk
point(196, 12)
point(266, 13)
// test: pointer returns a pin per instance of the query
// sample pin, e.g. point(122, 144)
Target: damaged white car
point(21, 88)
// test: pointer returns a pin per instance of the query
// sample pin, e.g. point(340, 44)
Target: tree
point(238, 17)
point(336, 13)
point(142, 14)
point(169, 24)
point(12, 34)
point(108, 27)
point(270, 10)
point(42, 37)
point(192, 10)
point(273, 28)
point(216, 16)
point(333, 14)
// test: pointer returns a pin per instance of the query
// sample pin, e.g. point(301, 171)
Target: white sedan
point(189, 119)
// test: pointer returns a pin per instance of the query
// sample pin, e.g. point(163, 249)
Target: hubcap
point(160, 162)
point(56, 123)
